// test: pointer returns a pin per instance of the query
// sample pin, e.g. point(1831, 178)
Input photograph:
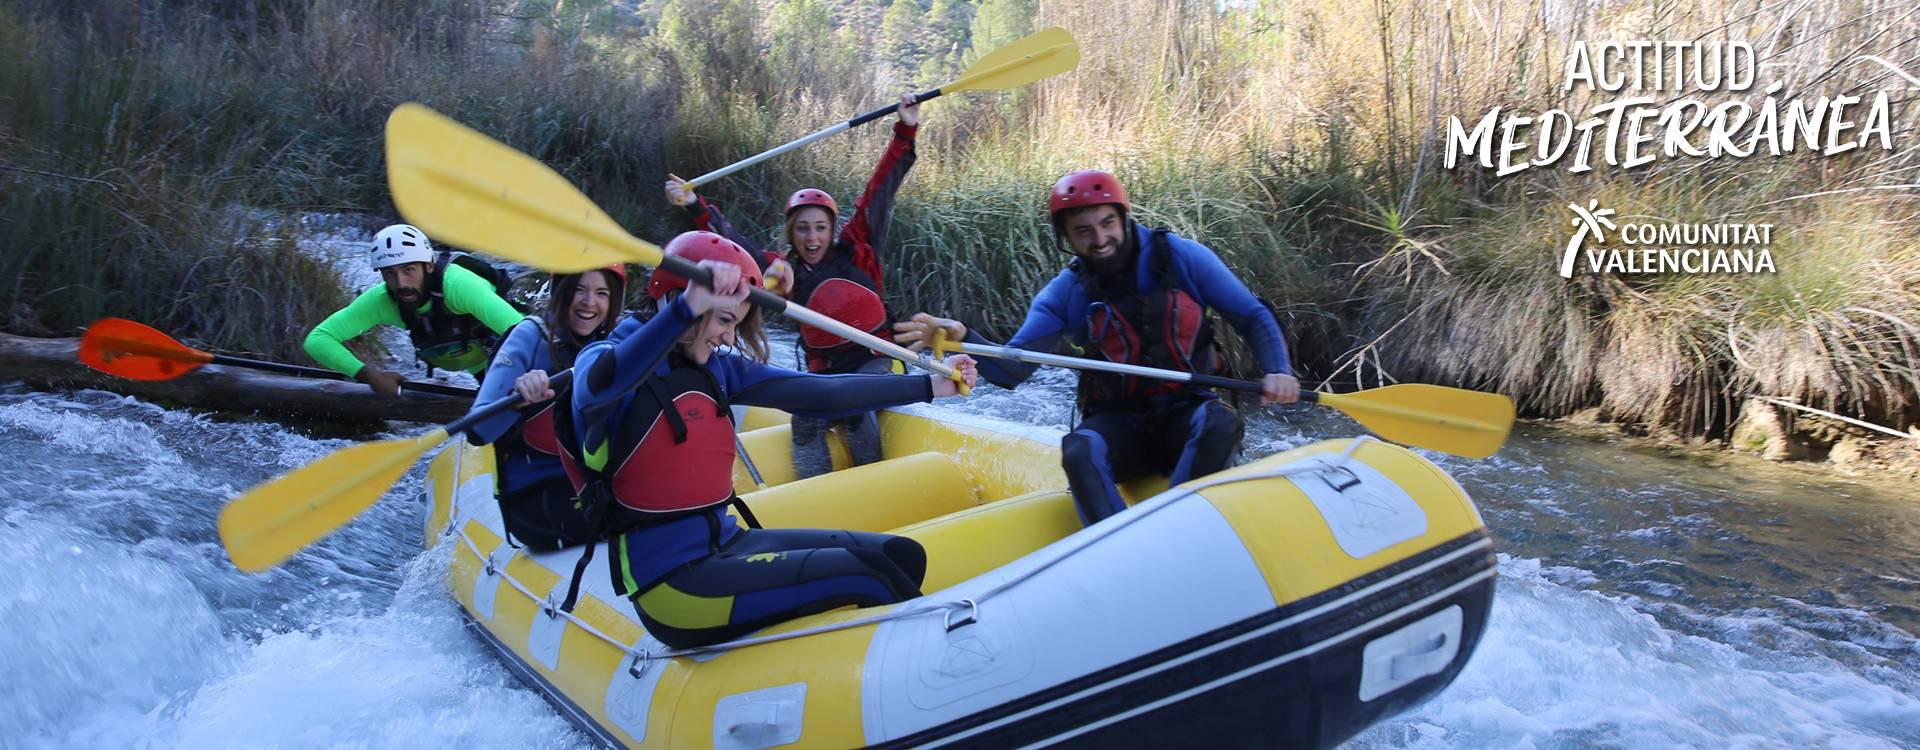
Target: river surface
point(1644, 600)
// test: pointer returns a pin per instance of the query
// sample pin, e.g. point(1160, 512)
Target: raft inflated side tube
point(1291, 602)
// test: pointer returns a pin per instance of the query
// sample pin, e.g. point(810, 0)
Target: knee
point(1220, 424)
point(880, 567)
point(909, 556)
point(1079, 450)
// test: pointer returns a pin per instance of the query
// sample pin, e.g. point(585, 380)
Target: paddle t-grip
point(940, 349)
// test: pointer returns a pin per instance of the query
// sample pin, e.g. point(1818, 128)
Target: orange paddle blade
point(121, 347)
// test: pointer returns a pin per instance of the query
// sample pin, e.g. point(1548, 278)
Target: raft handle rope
point(1116, 523)
point(453, 527)
point(1314, 465)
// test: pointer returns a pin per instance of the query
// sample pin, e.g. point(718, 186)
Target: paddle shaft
point(933, 93)
point(776, 303)
point(740, 446)
point(174, 351)
point(1448, 424)
point(316, 372)
point(1078, 363)
point(834, 129)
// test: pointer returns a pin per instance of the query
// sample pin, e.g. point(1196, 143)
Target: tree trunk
point(56, 363)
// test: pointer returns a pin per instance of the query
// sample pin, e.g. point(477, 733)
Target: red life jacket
point(671, 453)
point(839, 289)
point(847, 301)
point(537, 432)
point(1165, 328)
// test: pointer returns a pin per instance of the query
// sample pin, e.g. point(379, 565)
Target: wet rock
point(1851, 452)
point(1761, 431)
point(1588, 416)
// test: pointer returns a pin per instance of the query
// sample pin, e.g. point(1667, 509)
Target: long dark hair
point(562, 343)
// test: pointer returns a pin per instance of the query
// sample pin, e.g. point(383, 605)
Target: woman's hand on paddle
point(969, 372)
point(728, 289)
point(1276, 388)
point(679, 193)
point(909, 110)
point(917, 333)
point(533, 386)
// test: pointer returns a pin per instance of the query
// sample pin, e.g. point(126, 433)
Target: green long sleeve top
point(463, 292)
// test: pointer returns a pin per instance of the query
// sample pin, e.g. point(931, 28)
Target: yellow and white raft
point(1290, 602)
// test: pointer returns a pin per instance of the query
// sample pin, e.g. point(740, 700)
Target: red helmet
point(812, 197)
point(618, 282)
point(1090, 187)
point(696, 247)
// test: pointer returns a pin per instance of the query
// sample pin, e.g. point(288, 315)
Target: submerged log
point(55, 363)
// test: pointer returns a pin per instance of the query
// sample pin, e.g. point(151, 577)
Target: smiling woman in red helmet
point(1139, 296)
point(536, 498)
point(835, 270)
point(649, 440)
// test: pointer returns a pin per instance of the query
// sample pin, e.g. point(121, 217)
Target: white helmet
point(401, 243)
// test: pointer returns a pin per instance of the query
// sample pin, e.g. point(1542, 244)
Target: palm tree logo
point(1592, 220)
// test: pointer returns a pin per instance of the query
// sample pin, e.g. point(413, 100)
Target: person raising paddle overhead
point(530, 483)
point(650, 437)
point(836, 272)
point(453, 315)
point(1136, 296)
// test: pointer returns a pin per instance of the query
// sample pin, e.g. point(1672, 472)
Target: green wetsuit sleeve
point(467, 293)
point(326, 344)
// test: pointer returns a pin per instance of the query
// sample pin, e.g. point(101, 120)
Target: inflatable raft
point(1289, 602)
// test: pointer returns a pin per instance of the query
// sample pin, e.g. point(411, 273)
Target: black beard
point(1112, 265)
point(1111, 272)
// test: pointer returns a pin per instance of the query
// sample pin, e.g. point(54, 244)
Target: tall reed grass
point(1299, 139)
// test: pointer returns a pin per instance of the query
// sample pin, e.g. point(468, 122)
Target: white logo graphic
point(1650, 247)
point(1586, 221)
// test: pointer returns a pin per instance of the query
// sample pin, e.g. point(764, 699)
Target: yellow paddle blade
point(276, 519)
point(1450, 420)
point(1041, 54)
point(469, 190)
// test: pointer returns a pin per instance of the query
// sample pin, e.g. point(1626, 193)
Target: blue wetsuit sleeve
point(1047, 319)
point(516, 357)
point(1213, 285)
point(751, 383)
point(608, 370)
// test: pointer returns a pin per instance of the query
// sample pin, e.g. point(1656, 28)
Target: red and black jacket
point(854, 255)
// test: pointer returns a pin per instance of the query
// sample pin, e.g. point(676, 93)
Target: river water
point(1644, 600)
